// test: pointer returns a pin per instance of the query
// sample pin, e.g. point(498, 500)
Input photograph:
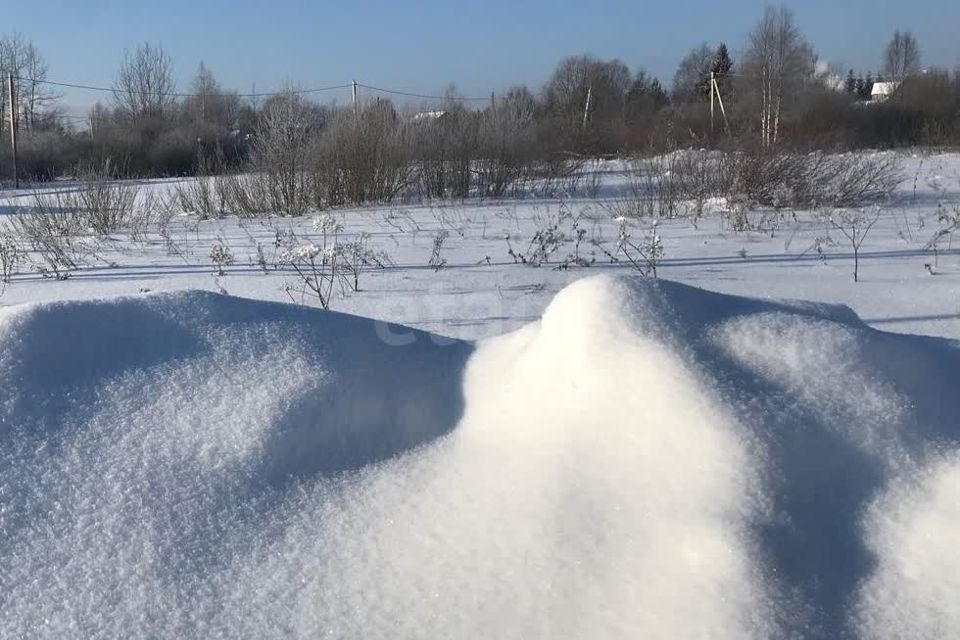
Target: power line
point(420, 95)
point(265, 94)
point(734, 75)
point(176, 94)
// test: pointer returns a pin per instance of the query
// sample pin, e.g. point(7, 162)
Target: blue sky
point(424, 46)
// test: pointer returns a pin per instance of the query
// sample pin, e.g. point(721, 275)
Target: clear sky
point(423, 46)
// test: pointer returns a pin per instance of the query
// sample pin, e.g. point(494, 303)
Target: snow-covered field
point(486, 448)
point(481, 292)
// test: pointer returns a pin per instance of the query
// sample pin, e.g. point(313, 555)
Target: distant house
point(882, 91)
point(428, 115)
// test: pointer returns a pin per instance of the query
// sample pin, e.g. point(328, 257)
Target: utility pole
point(356, 103)
point(715, 90)
point(713, 83)
point(493, 101)
point(11, 94)
point(586, 107)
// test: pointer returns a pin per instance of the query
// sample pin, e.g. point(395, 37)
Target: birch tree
point(778, 61)
point(901, 58)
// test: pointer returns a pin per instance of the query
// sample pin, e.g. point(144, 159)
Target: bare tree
point(282, 149)
point(901, 58)
point(605, 82)
point(693, 74)
point(208, 103)
point(35, 99)
point(144, 86)
point(506, 143)
point(99, 119)
point(779, 61)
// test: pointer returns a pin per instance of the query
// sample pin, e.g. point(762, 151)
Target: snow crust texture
point(649, 460)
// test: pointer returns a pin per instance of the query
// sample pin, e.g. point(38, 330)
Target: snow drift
point(648, 460)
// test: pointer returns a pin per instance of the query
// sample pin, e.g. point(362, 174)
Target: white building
point(882, 90)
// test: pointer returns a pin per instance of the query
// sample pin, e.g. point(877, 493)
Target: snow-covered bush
point(643, 255)
point(107, 205)
point(55, 233)
point(221, 256)
point(358, 257)
point(317, 270)
point(282, 152)
point(318, 266)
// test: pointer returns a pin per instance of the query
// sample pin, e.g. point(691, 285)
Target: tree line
point(776, 93)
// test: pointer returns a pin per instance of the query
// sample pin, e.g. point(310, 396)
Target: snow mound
point(648, 460)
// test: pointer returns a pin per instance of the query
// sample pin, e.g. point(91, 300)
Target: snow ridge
point(648, 460)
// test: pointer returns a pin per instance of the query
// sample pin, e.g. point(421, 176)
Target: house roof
point(884, 88)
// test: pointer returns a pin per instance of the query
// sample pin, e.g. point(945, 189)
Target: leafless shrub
point(246, 195)
point(949, 221)
point(445, 146)
point(10, 256)
point(98, 204)
point(505, 151)
point(854, 179)
point(654, 188)
point(362, 158)
point(53, 230)
point(154, 209)
point(575, 258)
point(700, 176)
point(770, 179)
point(642, 256)
point(556, 175)
point(107, 205)
point(436, 260)
point(817, 179)
point(854, 224)
point(592, 183)
point(204, 196)
point(282, 154)
point(683, 183)
point(357, 257)
point(543, 244)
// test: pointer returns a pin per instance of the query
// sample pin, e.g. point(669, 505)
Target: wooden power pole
point(716, 97)
point(356, 102)
point(11, 96)
point(712, 84)
point(586, 107)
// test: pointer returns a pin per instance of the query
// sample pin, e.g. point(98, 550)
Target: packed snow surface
point(648, 460)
